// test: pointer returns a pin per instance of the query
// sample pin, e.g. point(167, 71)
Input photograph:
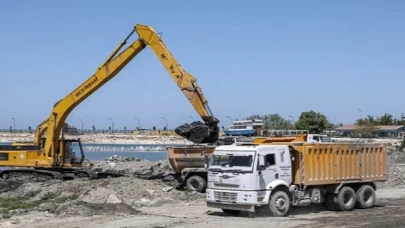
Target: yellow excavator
point(53, 155)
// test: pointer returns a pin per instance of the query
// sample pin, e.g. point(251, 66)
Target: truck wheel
point(196, 183)
point(346, 199)
point(279, 204)
point(365, 197)
point(231, 212)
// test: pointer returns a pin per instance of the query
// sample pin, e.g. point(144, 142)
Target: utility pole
point(82, 124)
point(167, 124)
point(112, 125)
point(139, 123)
point(13, 125)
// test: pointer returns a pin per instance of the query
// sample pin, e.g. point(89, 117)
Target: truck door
point(283, 163)
point(268, 174)
point(277, 167)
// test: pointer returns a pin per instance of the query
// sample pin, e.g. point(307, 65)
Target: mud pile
point(134, 167)
point(144, 184)
point(123, 195)
point(396, 169)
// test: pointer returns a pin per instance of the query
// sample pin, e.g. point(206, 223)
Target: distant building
point(382, 131)
point(70, 130)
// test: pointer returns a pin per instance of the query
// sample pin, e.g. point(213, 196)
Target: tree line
point(316, 122)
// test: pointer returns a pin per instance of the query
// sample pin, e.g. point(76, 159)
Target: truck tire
point(346, 199)
point(196, 183)
point(365, 197)
point(279, 204)
point(231, 212)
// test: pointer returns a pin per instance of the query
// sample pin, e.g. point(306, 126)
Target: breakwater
point(125, 148)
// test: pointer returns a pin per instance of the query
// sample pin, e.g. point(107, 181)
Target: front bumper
point(235, 200)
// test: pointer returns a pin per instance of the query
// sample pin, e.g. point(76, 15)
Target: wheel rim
point(368, 196)
point(281, 204)
point(194, 184)
point(348, 198)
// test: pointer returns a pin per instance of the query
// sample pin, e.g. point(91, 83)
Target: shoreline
point(158, 140)
point(101, 138)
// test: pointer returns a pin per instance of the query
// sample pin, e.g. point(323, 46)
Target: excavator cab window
point(73, 152)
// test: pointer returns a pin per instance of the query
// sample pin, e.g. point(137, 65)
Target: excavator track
point(30, 175)
point(41, 175)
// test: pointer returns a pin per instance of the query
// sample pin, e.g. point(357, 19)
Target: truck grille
point(225, 196)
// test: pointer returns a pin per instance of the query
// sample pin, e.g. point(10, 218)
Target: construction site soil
point(146, 197)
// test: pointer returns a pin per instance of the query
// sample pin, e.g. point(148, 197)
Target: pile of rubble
point(144, 184)
point(134, 167)
point(396, 169)
point(81, 197)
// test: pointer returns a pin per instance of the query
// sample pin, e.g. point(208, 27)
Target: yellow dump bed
point(188, 156)
point(331, 163)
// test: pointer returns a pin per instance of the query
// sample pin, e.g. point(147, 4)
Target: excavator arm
point(196, 132)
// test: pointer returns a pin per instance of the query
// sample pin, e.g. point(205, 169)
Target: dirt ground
point(145, 197)
point(389, 212)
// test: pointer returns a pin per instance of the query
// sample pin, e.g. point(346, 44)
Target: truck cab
point(318, 138)
point(242, 177)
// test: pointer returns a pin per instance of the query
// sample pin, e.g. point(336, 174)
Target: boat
point(245, 127)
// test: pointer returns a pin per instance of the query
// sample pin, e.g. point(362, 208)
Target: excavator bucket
point(197, 132)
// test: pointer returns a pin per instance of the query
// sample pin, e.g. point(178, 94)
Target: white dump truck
point(278, 175)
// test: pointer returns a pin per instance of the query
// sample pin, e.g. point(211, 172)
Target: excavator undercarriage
point(19, 156)
point(41, 175)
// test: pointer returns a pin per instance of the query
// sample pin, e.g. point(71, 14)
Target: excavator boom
point(196, 132)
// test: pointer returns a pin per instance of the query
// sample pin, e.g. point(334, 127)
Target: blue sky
point(259, 57)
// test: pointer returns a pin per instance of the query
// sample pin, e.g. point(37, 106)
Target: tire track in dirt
point(387, 213)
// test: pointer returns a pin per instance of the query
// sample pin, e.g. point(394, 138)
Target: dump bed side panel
point(320, 164)
point(188, 156)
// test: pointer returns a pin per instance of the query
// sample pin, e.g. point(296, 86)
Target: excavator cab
point(73, 154)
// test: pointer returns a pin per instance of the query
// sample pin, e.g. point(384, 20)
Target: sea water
point(151, 152)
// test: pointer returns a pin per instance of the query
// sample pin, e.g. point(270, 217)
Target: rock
point(143, 200)
point(14, 221)
point(112, 198)
point(167, 189)
point(112, 164)
point(169, 178)
point(150, 191)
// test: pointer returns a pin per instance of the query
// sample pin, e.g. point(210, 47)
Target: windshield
point(325, 138)
point(232, 160)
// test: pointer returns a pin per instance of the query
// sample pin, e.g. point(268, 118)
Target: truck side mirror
point(206, 165)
